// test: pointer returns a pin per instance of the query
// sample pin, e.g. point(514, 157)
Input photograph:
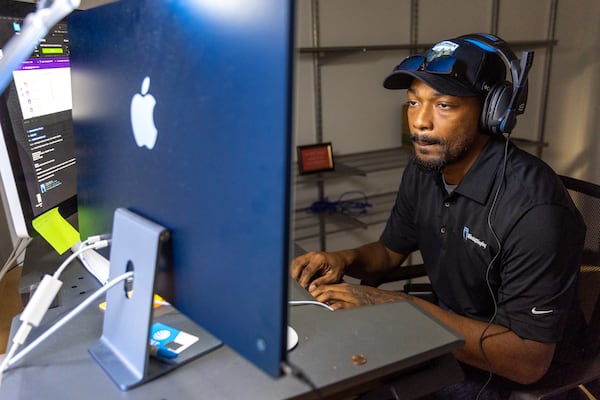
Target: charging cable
point(41, 300)
point(93, 243)
point(33, 313)
point(309, 302)
point(12, 360)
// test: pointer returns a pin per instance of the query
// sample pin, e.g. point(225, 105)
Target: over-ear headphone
point(505, 100)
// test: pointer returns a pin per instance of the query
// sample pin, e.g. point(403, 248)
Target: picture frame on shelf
point(315, 158)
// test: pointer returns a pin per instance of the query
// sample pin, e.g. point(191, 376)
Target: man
point(497, 231)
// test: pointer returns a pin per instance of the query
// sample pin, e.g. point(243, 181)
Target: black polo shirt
point(528, 248)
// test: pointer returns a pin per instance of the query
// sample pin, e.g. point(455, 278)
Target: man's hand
point(346, 295)
point(317, 268)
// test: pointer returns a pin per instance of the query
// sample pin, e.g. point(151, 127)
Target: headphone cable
point(489, 268)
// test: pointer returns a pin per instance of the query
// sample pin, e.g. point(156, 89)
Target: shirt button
point(443, 229)
point(446, 204)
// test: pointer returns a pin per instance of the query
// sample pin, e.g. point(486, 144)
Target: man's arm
point(318, 268)
point(520, 360)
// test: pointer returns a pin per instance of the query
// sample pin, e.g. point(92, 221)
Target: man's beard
point(447, 156)
point(431, 165)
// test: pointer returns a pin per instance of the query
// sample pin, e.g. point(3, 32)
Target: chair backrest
point(586, 197)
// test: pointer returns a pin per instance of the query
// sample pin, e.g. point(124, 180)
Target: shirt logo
point(469, 236)
point(535, 311)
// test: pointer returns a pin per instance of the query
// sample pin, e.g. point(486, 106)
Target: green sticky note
point(57, 231)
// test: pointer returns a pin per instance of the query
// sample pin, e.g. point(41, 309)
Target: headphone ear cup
point(495, 107)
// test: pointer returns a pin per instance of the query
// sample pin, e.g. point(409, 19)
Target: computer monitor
point(182, 114)
point(37, 156)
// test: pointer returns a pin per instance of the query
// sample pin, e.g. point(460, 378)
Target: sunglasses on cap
point(439, 65)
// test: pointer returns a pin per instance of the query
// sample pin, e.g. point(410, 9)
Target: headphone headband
point(506, 100)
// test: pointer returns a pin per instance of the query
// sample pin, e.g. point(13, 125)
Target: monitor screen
point(37, 163)
point(182, 114)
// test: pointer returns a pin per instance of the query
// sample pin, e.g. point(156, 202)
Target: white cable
point(14, 256)
point(33, 314)
point(9, 261)
point(25, 243)
point(11, 352)
point(95, 263)
point(67, 318)
point(18, 339)
point(41, 300)
point(309, 302)
point(96, 238)
point(13, 253)
point(95, 246)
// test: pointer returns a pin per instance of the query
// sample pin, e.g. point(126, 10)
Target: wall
point(357, 114)
point(573, 101)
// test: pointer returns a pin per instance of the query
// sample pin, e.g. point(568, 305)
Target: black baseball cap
point(456, 67)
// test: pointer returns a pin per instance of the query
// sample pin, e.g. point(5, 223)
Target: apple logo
point(142, 116)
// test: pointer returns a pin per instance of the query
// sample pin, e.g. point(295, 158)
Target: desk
point(397, 339)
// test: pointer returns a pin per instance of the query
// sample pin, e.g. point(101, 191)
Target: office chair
point(564, 383)
point(582, 374)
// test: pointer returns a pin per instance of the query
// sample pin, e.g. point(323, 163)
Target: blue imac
point(182, 114)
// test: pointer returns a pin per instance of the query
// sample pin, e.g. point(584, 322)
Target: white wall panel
point(524, 20)
point(364, 22)
point(304, 27)
point(445, 19)
point(359, 114)
point(573, 101)
point(304, 101)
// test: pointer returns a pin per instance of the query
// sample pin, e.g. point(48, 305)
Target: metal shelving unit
point(309, 225)
point(332, 50)
point(361, 164)
point(306, 228)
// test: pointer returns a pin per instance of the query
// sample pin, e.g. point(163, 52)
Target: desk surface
point(394, 338)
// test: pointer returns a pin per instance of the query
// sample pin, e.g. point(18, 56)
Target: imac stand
point(123, 349)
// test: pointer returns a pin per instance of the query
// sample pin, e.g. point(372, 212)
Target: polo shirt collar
point(477, 183)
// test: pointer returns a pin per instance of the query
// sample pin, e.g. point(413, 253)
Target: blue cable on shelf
point(347, 207)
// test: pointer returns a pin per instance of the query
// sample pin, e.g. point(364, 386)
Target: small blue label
point(161, 335)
